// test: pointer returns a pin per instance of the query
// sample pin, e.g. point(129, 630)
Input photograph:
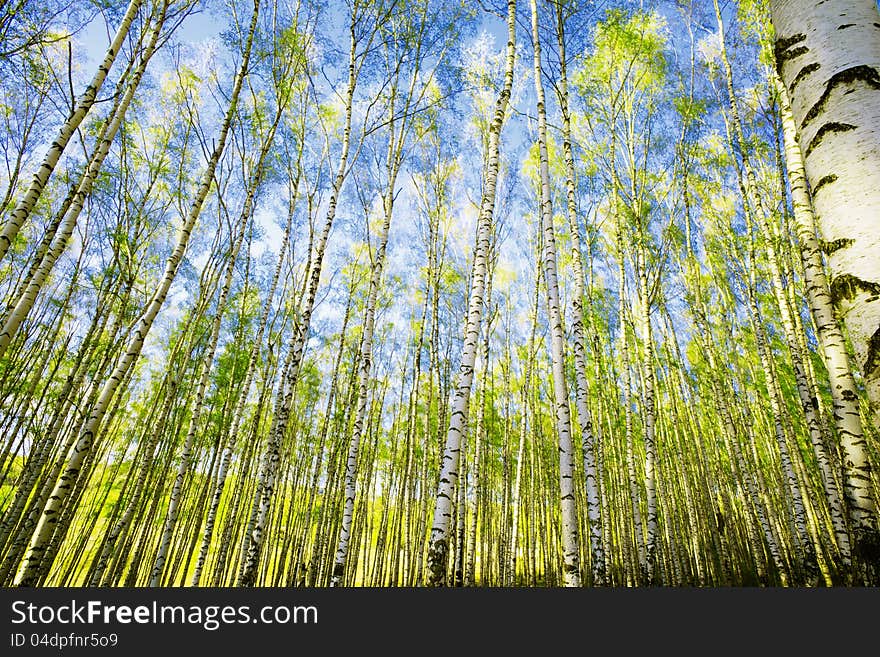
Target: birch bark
point(828, 57)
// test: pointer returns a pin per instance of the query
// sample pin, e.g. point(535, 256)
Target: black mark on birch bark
point(835, 245)
point(872, 362)
point(846, 286)
point(829, 128)
point(866, 74)
point(804, 72)
point(782, 48)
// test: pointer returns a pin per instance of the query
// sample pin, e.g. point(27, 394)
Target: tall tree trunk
point(293, 361)
point(648, 382)
point(570, 545)
point(832, 79)
point(588, 438)
point(844, 393)
point(439, 541)
point(755, 210)
point(241, 400)
point(54, 248)
point(626, 388)
point(208, 357)
point(478, 466)
point(828, 56)
point(365, 362)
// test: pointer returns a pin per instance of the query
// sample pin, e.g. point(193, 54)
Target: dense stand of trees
point(400, 293)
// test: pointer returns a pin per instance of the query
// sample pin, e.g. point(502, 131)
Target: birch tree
point(828, 57)
point(570, 547)
point(363, 27)
point(438, 549)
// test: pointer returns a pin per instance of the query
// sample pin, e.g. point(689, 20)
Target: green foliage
point(691, 110)
point(628, 55)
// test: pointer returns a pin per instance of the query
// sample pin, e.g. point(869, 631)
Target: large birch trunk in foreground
point(756, 211)
point(828, 56)
point(438, 549)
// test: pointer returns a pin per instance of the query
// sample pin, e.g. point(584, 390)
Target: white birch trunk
point(290, 372)
point(208, 359)
point(438, 548)
point(365, 365)
point(828, 57)
point(588, 437)
point(471, 542)
point(844, 393)
point(48, 256)
point(650, 419)
point(241, 401)
point(570, 547)
point(755, 211)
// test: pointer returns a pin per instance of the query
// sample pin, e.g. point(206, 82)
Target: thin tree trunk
point(449, 475)
point(570, 543)
point(296, 347)
point(208, 357)
point(588, 438)
point(365, 361)
point(48, 258)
